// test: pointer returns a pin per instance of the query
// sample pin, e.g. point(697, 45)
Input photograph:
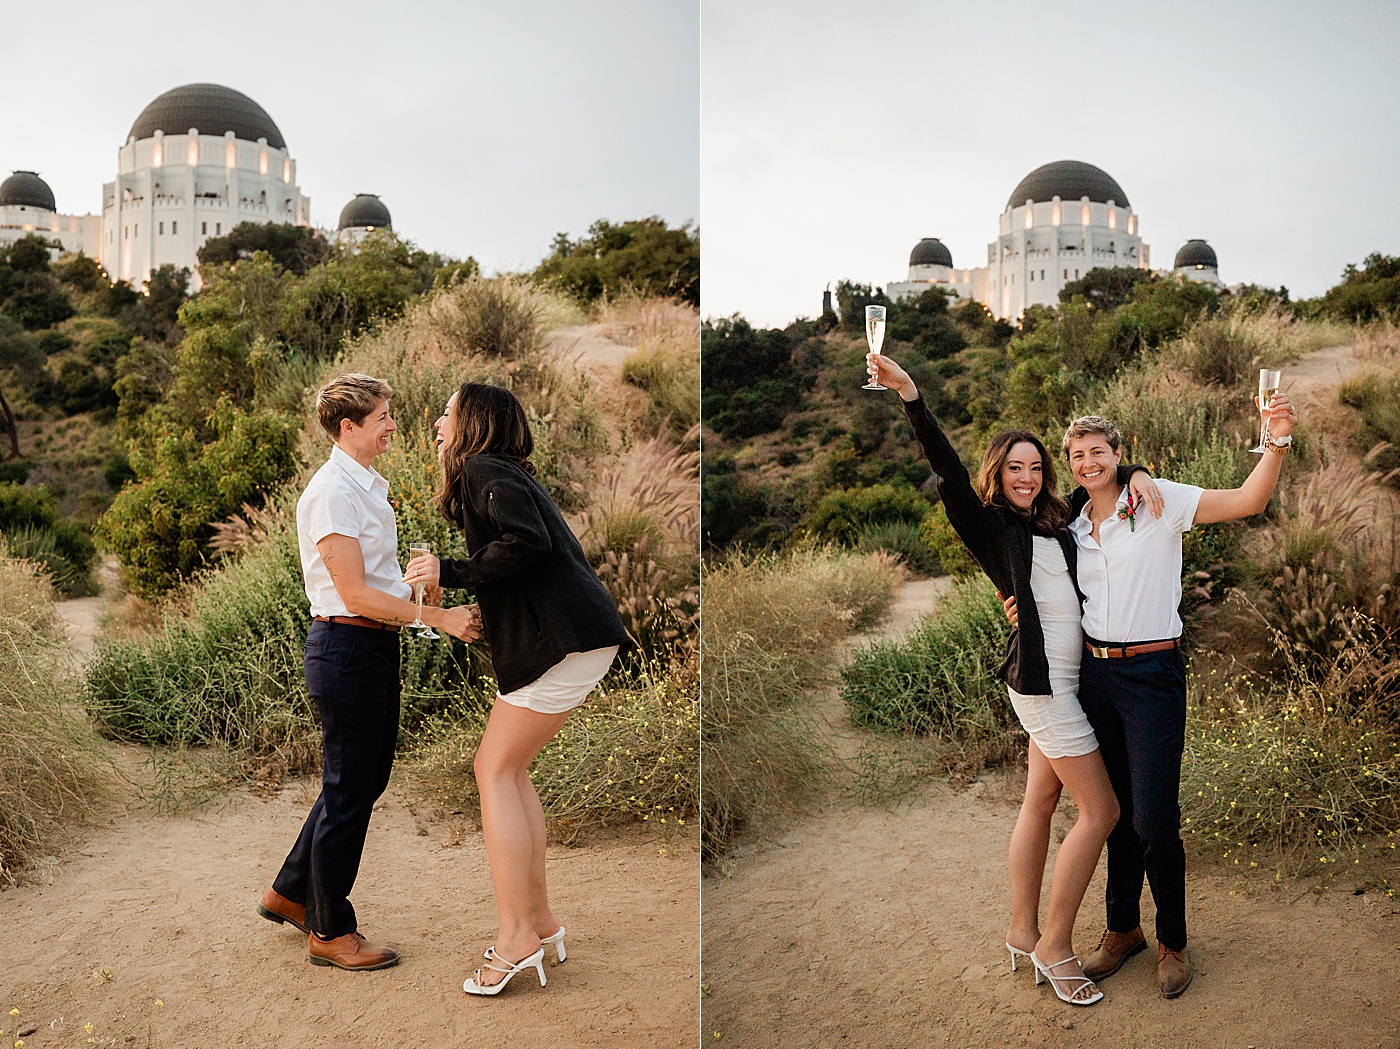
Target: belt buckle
point(1099, 653)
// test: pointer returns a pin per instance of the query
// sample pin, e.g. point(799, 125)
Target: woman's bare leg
point(1030, 842)
point(1087, 782)
point(512, 824)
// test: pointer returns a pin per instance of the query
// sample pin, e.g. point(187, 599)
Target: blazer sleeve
point(508, 502)
point(977, 525)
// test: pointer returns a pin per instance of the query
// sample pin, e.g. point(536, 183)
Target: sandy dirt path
point(165, 907)
point(883, 927)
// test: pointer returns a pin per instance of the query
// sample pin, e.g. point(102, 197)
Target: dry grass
point(769, 642)
point(53, 769)
point(1378, 342)
point(666, 361)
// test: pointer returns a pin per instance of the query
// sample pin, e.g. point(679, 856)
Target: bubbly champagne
point(875, 332)
point(1269, 380)
point(424, 630)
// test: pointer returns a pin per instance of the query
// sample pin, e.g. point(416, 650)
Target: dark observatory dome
point(211, 108)
point(365, 210)
point(931, 252)
point(26, 189)
point(1068, 180)
point(1195, 253)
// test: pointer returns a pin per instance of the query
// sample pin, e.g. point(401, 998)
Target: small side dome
point(931, 252)
point(26, 189)
point(365, 211)
point(1195, 253)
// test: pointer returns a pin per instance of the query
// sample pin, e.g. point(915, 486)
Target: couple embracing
point(1094, 670)
point(553, 629)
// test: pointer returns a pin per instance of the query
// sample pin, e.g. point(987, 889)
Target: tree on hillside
point(295, 248)
point(644, 255)
point(1366, 293)
point(851, 300)
point(166, 290)
point(751, 383)
point(924, 324)
point(1106, 288)
point(29, 292)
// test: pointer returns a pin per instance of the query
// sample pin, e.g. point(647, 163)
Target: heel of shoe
point(539, 968)
point(271, 915)
point(559, 955)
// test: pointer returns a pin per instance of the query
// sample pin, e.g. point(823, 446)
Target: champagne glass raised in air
point(414, 550)
point(875, 335)
point(1268, 386)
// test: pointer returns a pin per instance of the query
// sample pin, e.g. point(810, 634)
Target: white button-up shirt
point(1131, 577)
point(345, 498)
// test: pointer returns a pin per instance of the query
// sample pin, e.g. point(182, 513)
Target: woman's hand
point(887, 373)
point(1145, 492)
point(1008, 605)
point(424, 569)
point(462, 622)
point(1282, 415)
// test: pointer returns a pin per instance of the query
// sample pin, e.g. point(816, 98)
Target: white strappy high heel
point(556, 940)
point(1016, 952)
point(1043, 973)
point(472, 985)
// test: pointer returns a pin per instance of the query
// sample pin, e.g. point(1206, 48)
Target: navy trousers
point(1137, 707)
point(352, 673)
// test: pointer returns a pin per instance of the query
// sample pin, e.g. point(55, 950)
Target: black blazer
point(999, 540)
point(540, 598)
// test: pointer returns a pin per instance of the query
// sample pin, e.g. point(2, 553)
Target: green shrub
point(905, 540)
point(159, 526)
point(52, 767)
point(937, 534)
point(642, 256)
point(841, 516)
point(1376, 395)
point(34, 531)
point(771, 623)
point(940, 680)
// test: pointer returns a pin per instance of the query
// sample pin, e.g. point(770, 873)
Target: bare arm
point(1231, 504)
point(346, 564)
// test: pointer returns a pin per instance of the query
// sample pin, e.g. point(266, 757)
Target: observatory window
point(1042, 274)
point(160, 229)
point(1055, 215)
point(262, 163)
point(218, 228)
point(1131, 223)
point(136, 230)
point(126, 233)
point(1030, 215)
point(230, 155)
point(1066, 274)
point(174, 228)
point(287, 170)
point(1112, 218)
point(156, 155)
point(1084, 215)
point(192, 154)
point(1076, 274)
point(204, 228)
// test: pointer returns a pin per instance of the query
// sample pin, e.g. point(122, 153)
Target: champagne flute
point(414, 550)
point(1268, 386)
point(875, 336)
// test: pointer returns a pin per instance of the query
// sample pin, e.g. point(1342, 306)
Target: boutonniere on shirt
point(393, 504)
point(1129, 513)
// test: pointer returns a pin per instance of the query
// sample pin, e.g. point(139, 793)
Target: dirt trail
point(883, 927)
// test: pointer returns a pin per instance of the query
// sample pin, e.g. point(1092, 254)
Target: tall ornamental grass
point(769, 644)
point(53, 769)
point(665, 362)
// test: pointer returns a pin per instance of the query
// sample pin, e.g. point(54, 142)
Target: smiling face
point(369, 437)
point(1094, 463)
point(1022, 475)
point(446, 425)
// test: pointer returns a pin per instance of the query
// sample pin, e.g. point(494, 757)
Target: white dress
point(1056, 722)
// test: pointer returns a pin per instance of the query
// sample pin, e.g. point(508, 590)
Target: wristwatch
point(1279, 445)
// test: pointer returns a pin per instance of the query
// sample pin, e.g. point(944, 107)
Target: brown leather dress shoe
point(350, 952)
point(1173, 970)
point(1113, 950)
point(277, 908)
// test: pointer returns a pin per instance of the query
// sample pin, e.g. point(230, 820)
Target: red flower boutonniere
point(1129, 513)
point(393, 504)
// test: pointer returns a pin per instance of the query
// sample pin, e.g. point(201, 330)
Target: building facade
point(27, 206)
point(199, 160)
point(1061, 221)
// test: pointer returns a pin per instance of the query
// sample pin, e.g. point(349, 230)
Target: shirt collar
point(364, 476)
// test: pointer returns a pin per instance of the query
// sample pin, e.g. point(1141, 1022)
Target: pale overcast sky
point(485, 127)
point(836, 135)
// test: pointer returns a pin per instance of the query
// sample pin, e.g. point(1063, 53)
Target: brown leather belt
point(1119, 651)
point(372, 624)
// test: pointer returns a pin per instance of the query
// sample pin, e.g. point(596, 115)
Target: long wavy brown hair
point(485, 419)
point(1048, 513)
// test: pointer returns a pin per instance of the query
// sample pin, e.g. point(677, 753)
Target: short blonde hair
point(351, 396)
point(1091, 424)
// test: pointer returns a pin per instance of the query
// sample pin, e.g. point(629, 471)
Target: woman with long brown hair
point(553, 630)
point(1013, 522)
